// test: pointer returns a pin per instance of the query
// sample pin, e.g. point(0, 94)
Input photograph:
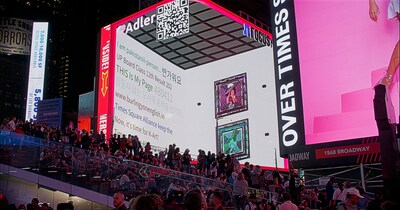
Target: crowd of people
point(33, 205)
point(344, 196)
point(222, 180)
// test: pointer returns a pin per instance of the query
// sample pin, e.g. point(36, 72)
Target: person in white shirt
point(337, 195)
point(287, 205)
point(255, 176)
point(127, 180)
point(240, 191)
point(346, 186)
point(124, 181)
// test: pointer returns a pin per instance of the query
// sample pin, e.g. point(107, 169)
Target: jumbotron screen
point(329, 56)
point(343, 54)
point(211, 88)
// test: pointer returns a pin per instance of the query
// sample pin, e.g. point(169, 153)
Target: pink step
point(357, 117)
point(332, 136)
point(358, 100)
point(378, 74)
point(343, 121)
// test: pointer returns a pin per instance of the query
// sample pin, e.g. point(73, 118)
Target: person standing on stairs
point(393, 12)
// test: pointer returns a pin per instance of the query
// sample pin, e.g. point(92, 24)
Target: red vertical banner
point(104, 117)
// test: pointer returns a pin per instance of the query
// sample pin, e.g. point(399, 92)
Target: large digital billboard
point(37, 67)
point(212, 88)
point(329, 55)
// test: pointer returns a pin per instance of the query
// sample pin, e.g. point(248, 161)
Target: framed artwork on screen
point(233, 139)
point(230, 95)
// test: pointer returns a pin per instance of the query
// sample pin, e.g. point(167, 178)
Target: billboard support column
point(362, 176)
point(388, 143)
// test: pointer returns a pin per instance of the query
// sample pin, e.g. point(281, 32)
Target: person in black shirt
point(322, 198)
point(186, 158)
point(246, 173)
point(329, 190)
point(119, 201)
point(33, 205)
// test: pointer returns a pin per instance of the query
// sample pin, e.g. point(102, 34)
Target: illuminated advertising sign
point(37, 68)
point(139, 23)
point(287, 76)
point(256, 35)
point(169, 91)
point(328, 117)
point(103, 89)
point(15, 36)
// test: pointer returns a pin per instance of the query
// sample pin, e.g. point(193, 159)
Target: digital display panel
point(343, 54)
point(165, 103)
point(149, 92)
point(37, 67)
point(329, 56)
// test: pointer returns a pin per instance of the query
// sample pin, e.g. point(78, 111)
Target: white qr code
point(172, 19)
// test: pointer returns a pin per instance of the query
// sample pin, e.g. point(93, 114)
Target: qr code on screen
point(172, 19)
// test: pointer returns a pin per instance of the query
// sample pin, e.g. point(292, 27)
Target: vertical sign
point(287, 77)
point(103, 91)
point(36, 69)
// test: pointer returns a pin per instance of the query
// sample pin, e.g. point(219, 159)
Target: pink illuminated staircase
point(357, 114)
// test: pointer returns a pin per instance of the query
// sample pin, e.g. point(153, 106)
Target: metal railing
point(101, 172)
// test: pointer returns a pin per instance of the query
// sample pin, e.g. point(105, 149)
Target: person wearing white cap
point(352, 199)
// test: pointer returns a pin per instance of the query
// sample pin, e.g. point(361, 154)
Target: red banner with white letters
point(104, 118)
